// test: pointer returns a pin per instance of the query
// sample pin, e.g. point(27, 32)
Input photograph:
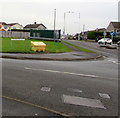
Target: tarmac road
point(15, 108)
point(111, 53)
point(79, 88)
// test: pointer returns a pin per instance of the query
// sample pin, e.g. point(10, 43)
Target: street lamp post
point(64, 20)
point(83, 31)
point(54, 23)
point(64, 24)
point(79, 28)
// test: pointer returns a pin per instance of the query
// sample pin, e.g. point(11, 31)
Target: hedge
point(96, 35)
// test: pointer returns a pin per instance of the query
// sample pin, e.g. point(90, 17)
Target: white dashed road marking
point(88, 102)
point(53, 71)
point(113, 61)
point(82, 101)
point(74, 90)
point(46, 89)
point(104, 95)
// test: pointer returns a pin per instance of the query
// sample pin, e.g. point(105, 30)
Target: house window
point(118, 30)
point(5, 27)
point(14, 27)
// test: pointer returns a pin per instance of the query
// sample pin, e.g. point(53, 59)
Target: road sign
point(112, 33)
point(104, 33)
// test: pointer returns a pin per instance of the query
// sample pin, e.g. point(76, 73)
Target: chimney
point(35, 23)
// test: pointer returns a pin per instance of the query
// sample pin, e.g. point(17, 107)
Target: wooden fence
point(14, 34)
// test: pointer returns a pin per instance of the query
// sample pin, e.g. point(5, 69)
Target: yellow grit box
point(38, 46)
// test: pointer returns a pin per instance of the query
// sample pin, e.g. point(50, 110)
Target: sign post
point(104, 33)
point(112, 34)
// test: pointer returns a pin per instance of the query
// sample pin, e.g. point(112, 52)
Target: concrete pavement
point(69, 56)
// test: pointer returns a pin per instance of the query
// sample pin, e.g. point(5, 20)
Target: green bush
point(91, 35)
point(116, 39)
point(96, 35)
point(100, 37)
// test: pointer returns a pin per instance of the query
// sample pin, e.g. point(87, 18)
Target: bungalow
point(15, 26)
point(35, 26)
point(114, 27)
point(100, 30)
point(5, 27)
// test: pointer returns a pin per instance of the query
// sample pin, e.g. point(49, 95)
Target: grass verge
point(79, 48)
point(24, 46)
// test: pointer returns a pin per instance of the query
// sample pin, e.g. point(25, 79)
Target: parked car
point(105, 41)
point(118, 43)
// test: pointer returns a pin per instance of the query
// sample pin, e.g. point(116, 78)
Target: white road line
point(104, 95)
point(46, 89)
point(85, 75)
point(43, 70)
point(82, 101)
point(74, 90)
point(113, 61)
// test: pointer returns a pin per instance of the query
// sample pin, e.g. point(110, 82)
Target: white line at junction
point(46, 89)
point(104, 95)
point(88, 102)
point(53, 71)
point(113, 61)
point(74, 90)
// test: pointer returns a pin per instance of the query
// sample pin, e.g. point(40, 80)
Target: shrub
point(96, 35)
point(100, 37)
point(91, 35)
point(116, 39)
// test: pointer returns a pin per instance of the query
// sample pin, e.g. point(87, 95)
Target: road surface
point(79, 88)
point(111, 53)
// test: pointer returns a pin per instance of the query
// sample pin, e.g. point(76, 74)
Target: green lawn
point(24, 46)
point(79, 48)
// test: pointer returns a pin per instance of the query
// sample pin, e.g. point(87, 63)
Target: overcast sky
point(93, 13)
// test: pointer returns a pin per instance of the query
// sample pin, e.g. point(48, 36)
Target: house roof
point(33, 25)
point(116, 24)
point(11, 24)
point(3, 23)
point(100, 29)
